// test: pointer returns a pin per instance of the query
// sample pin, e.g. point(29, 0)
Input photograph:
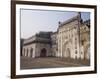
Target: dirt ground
point(50, 62)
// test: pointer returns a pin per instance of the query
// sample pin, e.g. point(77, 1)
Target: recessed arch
point(43, 52)
point(68, 52)
point(31, 52)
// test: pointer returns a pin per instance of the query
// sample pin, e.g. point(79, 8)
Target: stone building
point(74, 38)
point(71, 40)
point(38, 45)
point(54, 44)
point(68, 38)
point(85, 39)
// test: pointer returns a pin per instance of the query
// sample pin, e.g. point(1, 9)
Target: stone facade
point(68, 38)
point(54, 44)
point(85, 40)
point(38, 45)
point(71, 40)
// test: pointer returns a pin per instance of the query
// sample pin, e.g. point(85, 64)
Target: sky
point(33, 21)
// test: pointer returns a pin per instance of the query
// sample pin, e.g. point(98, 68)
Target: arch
point(87, 55)
point(31, 52)
point(76, 52)
point(27, 52)
point(23, 51)
point(43, 52)
point(68, 52)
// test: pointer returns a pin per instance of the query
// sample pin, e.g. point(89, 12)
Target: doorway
point(68, 52)
point(31, 52)
point(43, 52)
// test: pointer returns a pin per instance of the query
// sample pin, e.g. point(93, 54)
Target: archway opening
point(43, 52)
point(31, 52)
point(68, 52)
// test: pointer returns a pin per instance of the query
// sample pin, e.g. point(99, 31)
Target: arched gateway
point(43, 52)
point(68, 52)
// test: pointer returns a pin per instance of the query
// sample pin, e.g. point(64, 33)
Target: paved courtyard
point(50, 62)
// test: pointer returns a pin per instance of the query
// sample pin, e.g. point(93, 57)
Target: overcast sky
point(33, 21)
